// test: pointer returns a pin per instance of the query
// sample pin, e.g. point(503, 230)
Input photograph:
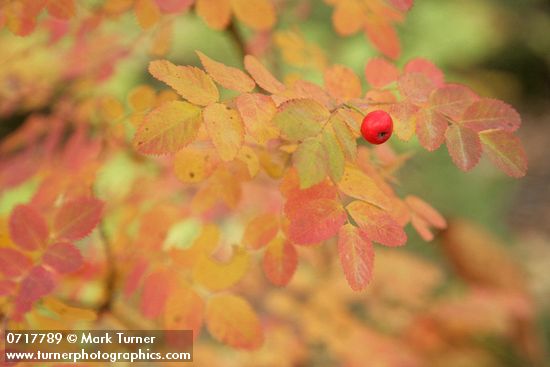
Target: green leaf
point(300, 119)
point(310, 161)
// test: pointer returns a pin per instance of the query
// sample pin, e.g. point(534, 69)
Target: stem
point(110, 278)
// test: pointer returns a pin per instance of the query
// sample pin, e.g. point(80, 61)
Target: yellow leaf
point(67, 312)
point(190, 165)
point(111, 108)
point(190, 82)
point(260, 230)
point(300, 119)
point(358, 185)
point(249, 157)
point(225, 127)
point(262, 76)
point(218, 276)
point(231, 320)
point(215, 13)
point(342, 83)
point(205, 243)
point(141, 97)
point(168, 128)
point(184, 311)
point(335, 156)
point(310, 160)
point(162, 39)
point(257, 14)
point(228, 77)
point(257, 111)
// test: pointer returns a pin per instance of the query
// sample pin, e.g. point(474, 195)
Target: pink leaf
point(38, 283)
point(452, 100)
point(416, 87)
point(464, 146)
point(380, 72)
point(28, 229)
point(377, 225)
point(505, 151)
point(156, 289)
point(356, 256)
point(427, 68)
point(7, 287)
point(403, 5)
point(174, 6)
point(280, 261)
point(430, 129)
point(63, 257)
point(13, 263)
point(77, 218)
point(487, 114)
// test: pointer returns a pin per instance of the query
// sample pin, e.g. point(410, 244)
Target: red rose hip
point(377, 127)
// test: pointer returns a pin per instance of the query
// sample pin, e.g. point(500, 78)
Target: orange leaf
point(231, 320)
point(215, 13)
point(190, 165)
point(257, 111)
point(262, 76)
point(280, 261)
point(228, 77)
point(260, 230)
point(28, 228)
point(168, 128)
point(383, 36)
point(61, 9)
point(184, 311)
point(452, 100)
point(403, 119)
point(348, 17)
point(377, 225)
point(464, 146)
point(342, 83)
point(147, 13)
point(505, 151)
point(142, 97)
point(426, 67)
point(380, 72)
point(356, 256)
point(13, 263)
point(226, 129)
point(426, 211)
point(190, 82)
point(77, 218)
point(156, 289)
point(257, 14)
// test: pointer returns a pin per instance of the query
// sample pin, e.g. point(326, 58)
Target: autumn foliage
point(237, 181)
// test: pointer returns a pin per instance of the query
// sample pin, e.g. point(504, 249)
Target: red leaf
point(280, 261)
point(77, 218)
point(156, 289)
point(376, 224)
point(416, 87)
point(380, 72)
point(28, 229)
point(430, 129)
point(7, 287)
point(63, 257)
point(487, 114)
point(38, 283)
point(464, 146)
point(13, 263)
point(427, 68)
point(403, 5)
point(134, 277)
point(356, 256)
point(505, 151)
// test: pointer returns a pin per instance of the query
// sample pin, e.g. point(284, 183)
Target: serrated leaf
point(226, 76)
point(77, 218)
point(157, 287)
point(215, 13)
point(280, 261)
point(310, 160)
point(403, 119)
point(342, 83)
point(262, 76)
point(313, 221)
point(359, 185)
point(335, 162)
point(430, 128)
point(487, 114)
point(36, 284)
point(257, 111)
point(168, 128)
point(190, 82)
point(260, 230)
point(28, 228)
point(356, 256)
point(184, 310)
point(452, 100)
point(379, 72)
point(464, 146)
point(63, 257)
point(218, 276)
point(426, 211)
point(257, 14)
point(344, 135)
point(13, 263)
point(300, 119)
point(505, 151)
point(225, 128)
point(427, 68)
point(147, 13)
point(231, 320)
point(377, 225)
point(415, 87)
